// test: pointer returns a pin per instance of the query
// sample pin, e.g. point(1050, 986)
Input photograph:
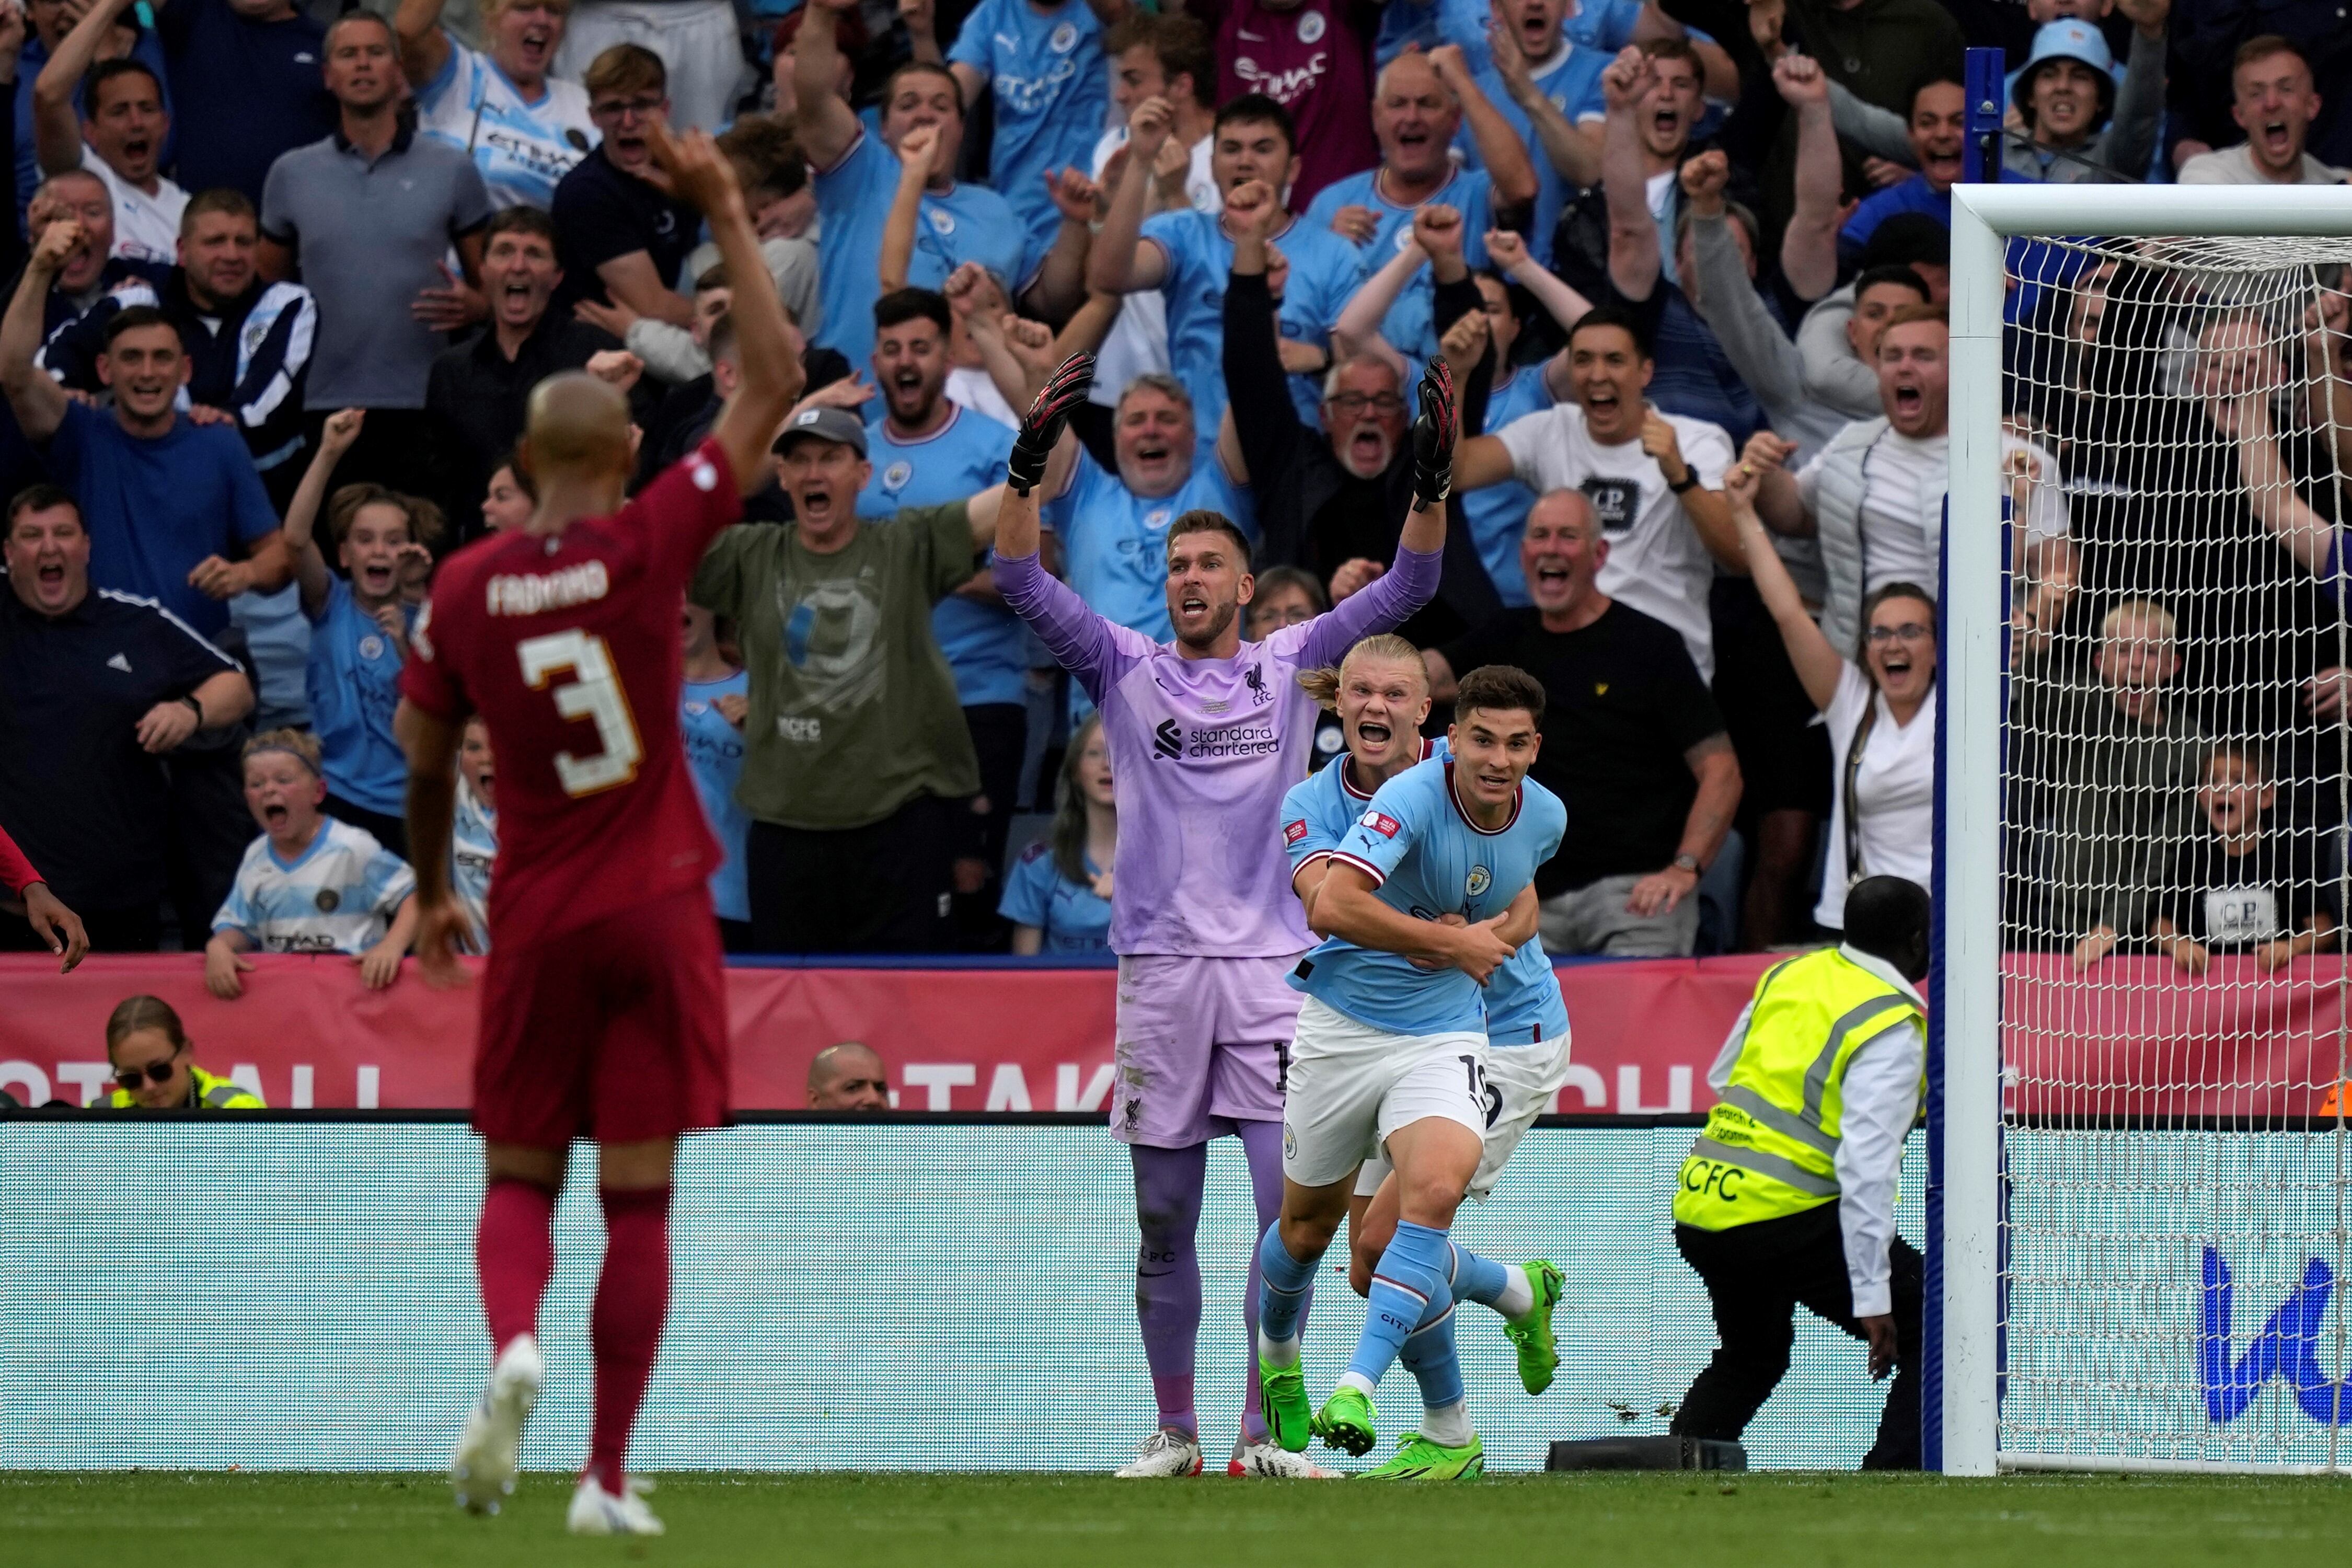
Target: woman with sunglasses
point(1879, 705)
point(148, 1052)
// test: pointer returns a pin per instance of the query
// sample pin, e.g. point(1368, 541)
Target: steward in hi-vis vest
point(1787, 1197)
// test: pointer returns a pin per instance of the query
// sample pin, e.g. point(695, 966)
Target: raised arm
point(1633, 259)
point(1818, 665)
point(1574, 154)
point(1358, 330)
point(1809, 245)
point(38, 402)
point(57, 128)
point(1562, 303)
point(906, 207)
point(2270, 488)
point(1756, 346)
point(300, 529)
point(1120, 261)
point(1060, 286)
point(1266, 424)
point(1878, 132)
point(423, 47)
point(770, 350)
point(1499, 147)
point(826, 124)
point(2128, 144)
point(1777, 500)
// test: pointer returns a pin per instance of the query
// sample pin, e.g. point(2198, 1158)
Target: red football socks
point(514, 1253)
point(624, 1326)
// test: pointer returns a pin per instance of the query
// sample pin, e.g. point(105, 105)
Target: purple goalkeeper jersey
point(1203, 750)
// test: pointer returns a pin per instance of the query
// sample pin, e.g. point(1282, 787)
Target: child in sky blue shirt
point(715, 696)
point(1057, 894)
point(359, 627)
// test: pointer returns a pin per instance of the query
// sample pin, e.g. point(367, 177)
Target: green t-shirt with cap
point(854, 709)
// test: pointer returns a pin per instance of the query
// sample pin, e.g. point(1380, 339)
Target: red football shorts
point(615, 1031)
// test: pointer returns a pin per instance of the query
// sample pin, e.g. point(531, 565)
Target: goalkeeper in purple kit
point(1207, 733)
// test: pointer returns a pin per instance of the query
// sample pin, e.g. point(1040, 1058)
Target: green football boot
point(1531, 1335)
point(1282, 1398)
point(1348, 1421)
point(1419, 1459)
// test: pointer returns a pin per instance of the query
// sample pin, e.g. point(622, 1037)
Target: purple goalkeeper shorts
point(1201, 1045)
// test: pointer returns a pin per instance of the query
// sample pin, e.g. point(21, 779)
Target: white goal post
point(1968, 1353)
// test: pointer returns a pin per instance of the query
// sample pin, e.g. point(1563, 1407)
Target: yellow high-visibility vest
point(1769, 1147)
point(211, 1094)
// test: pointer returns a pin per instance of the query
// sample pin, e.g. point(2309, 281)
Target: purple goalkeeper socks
point(1262, 1146)
point(1168, 1191)
point(1168, 1184)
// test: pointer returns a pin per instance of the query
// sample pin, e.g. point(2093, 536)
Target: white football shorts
point(1521, 1083)
point(1351, 1085)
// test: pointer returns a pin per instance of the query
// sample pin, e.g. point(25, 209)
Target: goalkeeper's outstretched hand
point(1433, 437)
point(1041, 427)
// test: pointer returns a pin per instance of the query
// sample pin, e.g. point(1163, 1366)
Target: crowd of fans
point(288, 278)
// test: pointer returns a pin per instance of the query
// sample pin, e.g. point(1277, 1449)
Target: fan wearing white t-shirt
point(1873, 496)
point(1167, 57)
point(1655, 479)
point(1879, 704)
point(120, 140)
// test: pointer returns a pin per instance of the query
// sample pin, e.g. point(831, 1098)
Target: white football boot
point(490, 1448)
point(1271, 1460)
point(595, 1511)
point(1164, 1453)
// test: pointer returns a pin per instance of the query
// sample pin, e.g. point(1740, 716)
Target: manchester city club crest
point(327, 900)
point(1063, 38)
point(1310, 27)
point(370, 646)
point(942, 220)
point(895, 476)
point(1480, 880)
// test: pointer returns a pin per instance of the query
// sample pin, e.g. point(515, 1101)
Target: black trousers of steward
point(1757, 1276)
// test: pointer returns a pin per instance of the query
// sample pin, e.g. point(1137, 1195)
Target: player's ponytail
point(1323, 685)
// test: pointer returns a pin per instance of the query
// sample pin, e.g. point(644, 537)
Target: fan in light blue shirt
point(714, 755)
point(958, 224)
point(986, 645)
point(1324, 271)
point(1052, 97)
point(1410, 324)
point(1113, 526)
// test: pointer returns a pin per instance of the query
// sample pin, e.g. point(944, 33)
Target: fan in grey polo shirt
point(367, 215)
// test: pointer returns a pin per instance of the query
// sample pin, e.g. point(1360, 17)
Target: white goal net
point(2173, 1159)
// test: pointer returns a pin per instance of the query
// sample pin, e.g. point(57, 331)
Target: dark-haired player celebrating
point(1391, 1058)
point(603, 1011)
point(1206, 732)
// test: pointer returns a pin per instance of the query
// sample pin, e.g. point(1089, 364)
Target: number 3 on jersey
point(593, 693)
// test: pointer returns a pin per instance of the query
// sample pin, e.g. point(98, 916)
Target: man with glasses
point(620, 236)
point(368, 216)
point(1334, 501)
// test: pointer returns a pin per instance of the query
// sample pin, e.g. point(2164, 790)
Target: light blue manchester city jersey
point(1428, 859)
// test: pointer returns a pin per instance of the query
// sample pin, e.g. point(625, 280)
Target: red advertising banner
point(306, 1034)
point(2133, 1037)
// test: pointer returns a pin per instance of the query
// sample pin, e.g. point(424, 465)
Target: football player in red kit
point(603, 1015)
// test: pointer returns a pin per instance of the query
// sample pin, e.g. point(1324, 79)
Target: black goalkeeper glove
point(1041, 427)
point(1432, 437)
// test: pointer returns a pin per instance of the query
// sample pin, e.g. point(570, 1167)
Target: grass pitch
point(239, 1521)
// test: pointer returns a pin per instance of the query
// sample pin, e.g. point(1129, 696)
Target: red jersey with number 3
point(568, 646)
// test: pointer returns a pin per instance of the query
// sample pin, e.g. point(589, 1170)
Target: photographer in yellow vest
point(1787, 1197)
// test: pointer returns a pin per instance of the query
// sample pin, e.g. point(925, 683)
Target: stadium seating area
point(286, 278)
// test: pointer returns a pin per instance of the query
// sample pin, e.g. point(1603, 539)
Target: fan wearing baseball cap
point(857, 763)
point(2081, 126)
